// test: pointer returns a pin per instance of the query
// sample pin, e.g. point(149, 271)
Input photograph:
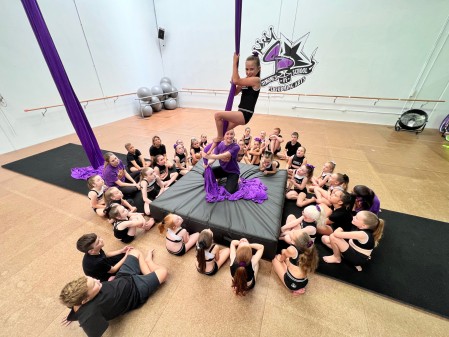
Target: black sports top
point(305, 224)
point(162, 168)
point(295, 260)
point(249, 99)
point(249, 270)
point(369, 244)
point(297, 161)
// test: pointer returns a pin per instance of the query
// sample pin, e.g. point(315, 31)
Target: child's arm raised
point(247, 81)
point(259, 252)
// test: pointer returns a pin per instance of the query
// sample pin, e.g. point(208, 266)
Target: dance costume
point(176, 239)
point(246, 140)
point(209, 258)
point(294, 260)
point(298, 180)
point(153, 189)
point(122, 234)
point(294, 283)
point(249, 273)
point(297, 161)
point(99, 195)
point(248, 102)
point(182, 161)
point(305, 224)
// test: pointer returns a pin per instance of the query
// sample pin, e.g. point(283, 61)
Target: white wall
point(365, 48)
point(122, 37)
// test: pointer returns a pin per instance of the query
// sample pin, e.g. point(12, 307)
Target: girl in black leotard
point(311, 217)
point(209, 256)
point(151, 187)
point(355, 246)
point(249, 86)
point(268, 166)
point(244, 265)
point(195, 151)
point(177, 240)
point(97, 187)
point(296, 262)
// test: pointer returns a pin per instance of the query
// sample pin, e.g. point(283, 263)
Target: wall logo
point(288, 57)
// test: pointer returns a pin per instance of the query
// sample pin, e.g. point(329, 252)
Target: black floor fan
point(414, 120)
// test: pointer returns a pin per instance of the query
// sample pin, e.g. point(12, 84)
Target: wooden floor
point(41, 223)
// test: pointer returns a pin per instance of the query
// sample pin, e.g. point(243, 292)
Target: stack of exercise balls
point(158, 97)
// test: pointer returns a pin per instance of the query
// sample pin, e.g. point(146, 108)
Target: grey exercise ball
point(174, 92)
point(156, 104)
point(144, 92)
point(170, 104)
point(157, 91)
point(166, 80)
point(147, 111)
point(166, 87)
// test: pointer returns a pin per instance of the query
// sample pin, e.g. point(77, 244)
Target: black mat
point(53, 166)
point(411, 263)
point(229, 220)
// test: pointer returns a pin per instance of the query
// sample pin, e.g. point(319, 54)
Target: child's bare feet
point(331, 259)
point(149, 224)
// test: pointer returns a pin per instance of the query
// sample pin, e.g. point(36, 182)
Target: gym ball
point(144, 92)
point(166, 80)
point(156, 104)
point(170, 104)
point(166, 87)
point(157, 91)
point(147, 111)
point(174, 91)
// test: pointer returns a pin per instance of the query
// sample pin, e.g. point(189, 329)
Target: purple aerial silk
point(62, 82)
point(249, 189)
point(83, 173)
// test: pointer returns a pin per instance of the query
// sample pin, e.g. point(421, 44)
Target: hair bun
point(255, 53)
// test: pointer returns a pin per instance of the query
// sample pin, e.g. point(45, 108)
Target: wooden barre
point(322, 95)
point(84, 101)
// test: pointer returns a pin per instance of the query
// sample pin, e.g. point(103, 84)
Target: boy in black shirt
point(290, 147)
point(135, 161)
point(93, 304)
point(97, 263)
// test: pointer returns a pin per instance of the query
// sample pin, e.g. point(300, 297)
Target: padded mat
point(229, 219)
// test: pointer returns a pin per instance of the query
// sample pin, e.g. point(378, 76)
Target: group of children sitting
point(329, 207)
point(347, 222)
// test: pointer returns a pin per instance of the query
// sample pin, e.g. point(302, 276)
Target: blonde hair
point(74, 293)
point(375, 224)
point(308, 256)
point(316, 213)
